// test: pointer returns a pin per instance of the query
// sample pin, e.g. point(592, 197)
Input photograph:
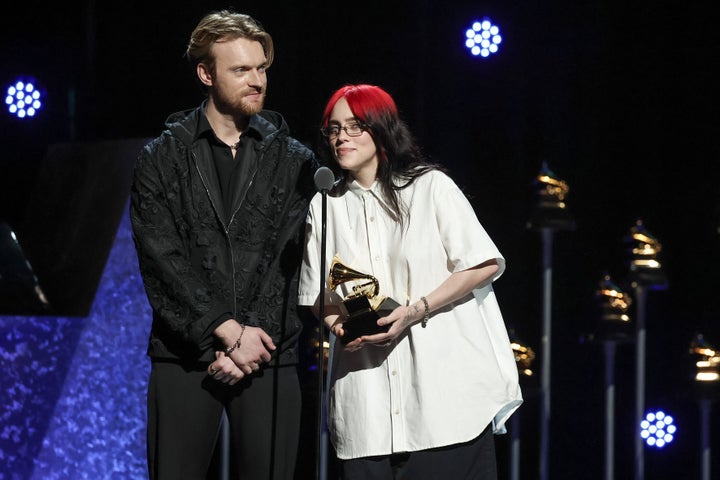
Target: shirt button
point(397, 412)
point(393, 373)
point(372, 219)
point(377, 258)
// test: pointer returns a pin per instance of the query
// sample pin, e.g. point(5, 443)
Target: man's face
point(239, 81)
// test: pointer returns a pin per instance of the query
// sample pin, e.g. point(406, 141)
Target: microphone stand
point(320, 468)
point(324, 179)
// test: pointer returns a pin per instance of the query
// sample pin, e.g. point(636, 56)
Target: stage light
point(658, 429)
point(23, 98)
point(483, 38)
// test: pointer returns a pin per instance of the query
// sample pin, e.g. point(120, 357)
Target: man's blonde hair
point(226, 25)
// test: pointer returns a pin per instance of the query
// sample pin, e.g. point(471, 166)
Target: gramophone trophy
point(550, 210)
point(645, 268)
point(524, 356)
point(615, 324)
point(708, 367)
point(364, 304)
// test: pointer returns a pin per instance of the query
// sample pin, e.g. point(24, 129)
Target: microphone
point(324, 179)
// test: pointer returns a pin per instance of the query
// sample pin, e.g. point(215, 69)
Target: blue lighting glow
point(658, 429)
point(483, 38)
point(73, 390)
point(23, 99)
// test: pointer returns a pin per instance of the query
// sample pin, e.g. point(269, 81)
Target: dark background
point(619, 98)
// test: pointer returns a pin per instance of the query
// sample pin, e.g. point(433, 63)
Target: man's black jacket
point(198, 270)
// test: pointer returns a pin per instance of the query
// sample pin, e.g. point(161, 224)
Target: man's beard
point(250, 108)
point(238, 104)
point(245, 107)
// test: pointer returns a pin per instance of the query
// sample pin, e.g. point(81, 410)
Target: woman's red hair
point(367, 102)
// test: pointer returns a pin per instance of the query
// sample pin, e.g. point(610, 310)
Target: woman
point(422, 399)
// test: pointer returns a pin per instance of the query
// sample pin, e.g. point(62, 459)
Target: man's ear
point(204, 74)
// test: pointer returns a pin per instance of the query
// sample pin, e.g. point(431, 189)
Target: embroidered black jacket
point(199, 270)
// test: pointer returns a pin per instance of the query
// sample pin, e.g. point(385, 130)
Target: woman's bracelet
point(427, 312)
point(426, 316)
point(237, 343)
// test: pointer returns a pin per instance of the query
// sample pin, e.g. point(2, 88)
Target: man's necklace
point(235, 145)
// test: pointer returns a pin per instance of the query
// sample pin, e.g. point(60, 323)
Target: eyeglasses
point(352, 129)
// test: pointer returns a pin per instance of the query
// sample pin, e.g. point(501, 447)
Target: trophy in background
point(645, 268)
point(708, 366)
point(615, 323)
point(524, 355)
point(364, 304)
point(550, 210)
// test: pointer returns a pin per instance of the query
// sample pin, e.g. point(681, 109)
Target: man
point(218, 206)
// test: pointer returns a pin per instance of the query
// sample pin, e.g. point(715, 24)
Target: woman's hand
point(453, 288)
point(398, 320)
point(334, 319)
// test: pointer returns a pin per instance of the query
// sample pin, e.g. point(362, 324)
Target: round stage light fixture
point(23, 98)
point(658, 429)
point(483, 38)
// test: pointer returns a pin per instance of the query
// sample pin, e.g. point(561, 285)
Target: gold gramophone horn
point(364, 305)
point(340, 273)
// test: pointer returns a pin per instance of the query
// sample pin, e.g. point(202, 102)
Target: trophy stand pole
point(646, 275)
point(640, 346)
point(523, 358)
point(546, 344)
point(705, 437)
point(550, 215)
point(610, 347)
point(515, 447)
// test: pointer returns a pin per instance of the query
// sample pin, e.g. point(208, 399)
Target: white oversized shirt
point(439, 385)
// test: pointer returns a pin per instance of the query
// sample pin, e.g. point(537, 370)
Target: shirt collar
point(204, 129)
point(355, 187)
point(376, 190)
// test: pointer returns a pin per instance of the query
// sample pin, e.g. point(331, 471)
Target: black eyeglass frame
point(326, 131)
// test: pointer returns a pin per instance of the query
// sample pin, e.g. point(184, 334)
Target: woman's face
point(357, 155)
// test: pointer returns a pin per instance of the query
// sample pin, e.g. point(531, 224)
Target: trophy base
point(616, 331)
point(651, 278)
point(554, 218)
point(362, 318)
